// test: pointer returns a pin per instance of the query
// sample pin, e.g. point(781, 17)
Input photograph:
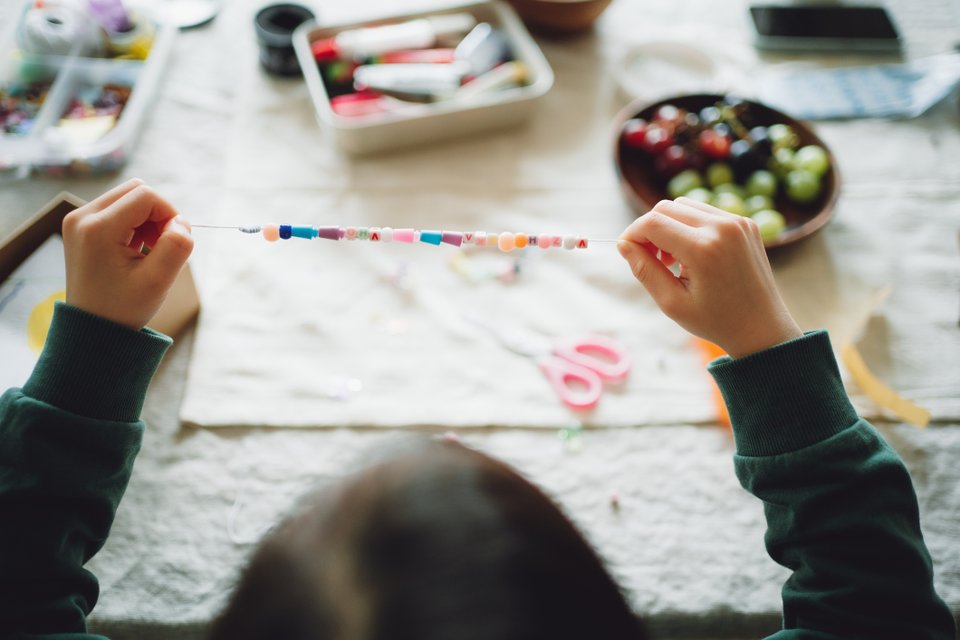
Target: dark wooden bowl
point(643, 187)
point(559, 17)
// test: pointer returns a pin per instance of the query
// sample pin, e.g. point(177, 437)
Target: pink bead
point(403, 235)
point(544, 242)
point(506, 242)
point(271, 232)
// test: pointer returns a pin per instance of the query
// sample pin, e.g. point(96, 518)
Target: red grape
point(656, 139)
point(633, 133)
point(714, 144)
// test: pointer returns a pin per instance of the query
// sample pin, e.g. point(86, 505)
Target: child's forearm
point(67, 445)
point(840, 505)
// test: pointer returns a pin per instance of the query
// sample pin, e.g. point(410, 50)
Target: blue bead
point(286, 231)
point(431, 237)
point(301, 232)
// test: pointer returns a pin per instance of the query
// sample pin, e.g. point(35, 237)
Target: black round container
point(275, 25)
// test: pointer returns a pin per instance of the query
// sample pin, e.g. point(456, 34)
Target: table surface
point(687, 541)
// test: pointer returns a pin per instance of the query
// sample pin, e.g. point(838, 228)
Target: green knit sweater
point(840, 506)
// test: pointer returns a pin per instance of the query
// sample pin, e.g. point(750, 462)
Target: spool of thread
point(134, 43)
point(275, 25)
point(59, 30)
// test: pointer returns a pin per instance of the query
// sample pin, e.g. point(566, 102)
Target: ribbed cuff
point(94, 367)
point(784, 398)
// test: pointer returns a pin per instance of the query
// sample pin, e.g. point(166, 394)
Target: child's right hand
point(725, 292)
point(107, 273)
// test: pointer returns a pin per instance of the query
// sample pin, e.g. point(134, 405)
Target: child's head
point(442, 543)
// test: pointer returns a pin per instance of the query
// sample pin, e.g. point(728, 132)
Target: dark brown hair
point(443, 543)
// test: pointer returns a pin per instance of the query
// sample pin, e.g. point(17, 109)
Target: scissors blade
point(516, 341)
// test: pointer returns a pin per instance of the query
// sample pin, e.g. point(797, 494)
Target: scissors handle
point(598, 353)
point(578, 387)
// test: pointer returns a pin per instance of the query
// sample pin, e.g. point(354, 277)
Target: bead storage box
point(429, 76)
point(73, 94)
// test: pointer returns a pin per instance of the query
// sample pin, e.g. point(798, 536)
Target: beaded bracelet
point(505, 241)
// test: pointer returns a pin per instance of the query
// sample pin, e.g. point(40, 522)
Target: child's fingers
point(170, 252)
point(675, 237)
point(656, 278)
point(108, 198)
point(146, 234)
point(704, 208)
point(682, 211)
point(133, 209)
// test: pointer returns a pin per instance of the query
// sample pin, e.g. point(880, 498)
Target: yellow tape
point(880, 393)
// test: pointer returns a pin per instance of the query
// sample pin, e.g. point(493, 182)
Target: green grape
point(757, 203)
point(730, 187)
point(730, 202)
point(683, 182)
point(700, 194)
point(813, 159)
point(782, 136)
point(781, 163)
point(771, 223)
point(719, 173)
point(802, 186)
point(762, 183)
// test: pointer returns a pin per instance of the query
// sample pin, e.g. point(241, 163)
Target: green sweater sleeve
point(840, 506)
point(68, 440)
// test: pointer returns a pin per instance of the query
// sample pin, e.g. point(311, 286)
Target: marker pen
point(421, 33)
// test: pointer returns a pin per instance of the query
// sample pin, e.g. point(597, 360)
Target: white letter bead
point(480, 238)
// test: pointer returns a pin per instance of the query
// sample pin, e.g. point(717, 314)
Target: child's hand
point(725, 292)
point(107, 273)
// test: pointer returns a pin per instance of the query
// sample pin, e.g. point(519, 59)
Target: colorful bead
point(403, 235)
point(569, 242)
point(363, 233)
point(468, 237)
point(285, 231)
point(556, 241)
point(480, 238)
point(453, 237)
point(581, 243)
point(506, 242)
point(375, 234)
point(431, 237)
point(307, 233)
point(493, 239)
point(350, 233)
point(271, 232)
point(329, 233)
point(544, 242)
point(386, 234)
point(520, 240)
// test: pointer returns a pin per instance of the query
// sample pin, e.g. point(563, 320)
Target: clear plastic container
point(55, 146)
point(419, 123)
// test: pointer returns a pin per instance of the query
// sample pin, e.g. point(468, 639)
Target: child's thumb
point(656, 278)
point(172, 248)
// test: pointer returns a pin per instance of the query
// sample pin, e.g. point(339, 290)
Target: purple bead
point(329, 233)
point(452, 237)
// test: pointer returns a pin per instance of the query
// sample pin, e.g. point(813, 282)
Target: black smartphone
point(820, 27)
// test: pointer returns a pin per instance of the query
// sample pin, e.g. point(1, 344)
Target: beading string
point(505, 241)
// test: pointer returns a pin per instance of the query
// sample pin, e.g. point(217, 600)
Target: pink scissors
point(575, 367)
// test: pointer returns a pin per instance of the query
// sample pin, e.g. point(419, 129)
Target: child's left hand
point(107, 272)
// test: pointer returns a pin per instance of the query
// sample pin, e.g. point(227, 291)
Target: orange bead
point(271, 232)
point(520, 240)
